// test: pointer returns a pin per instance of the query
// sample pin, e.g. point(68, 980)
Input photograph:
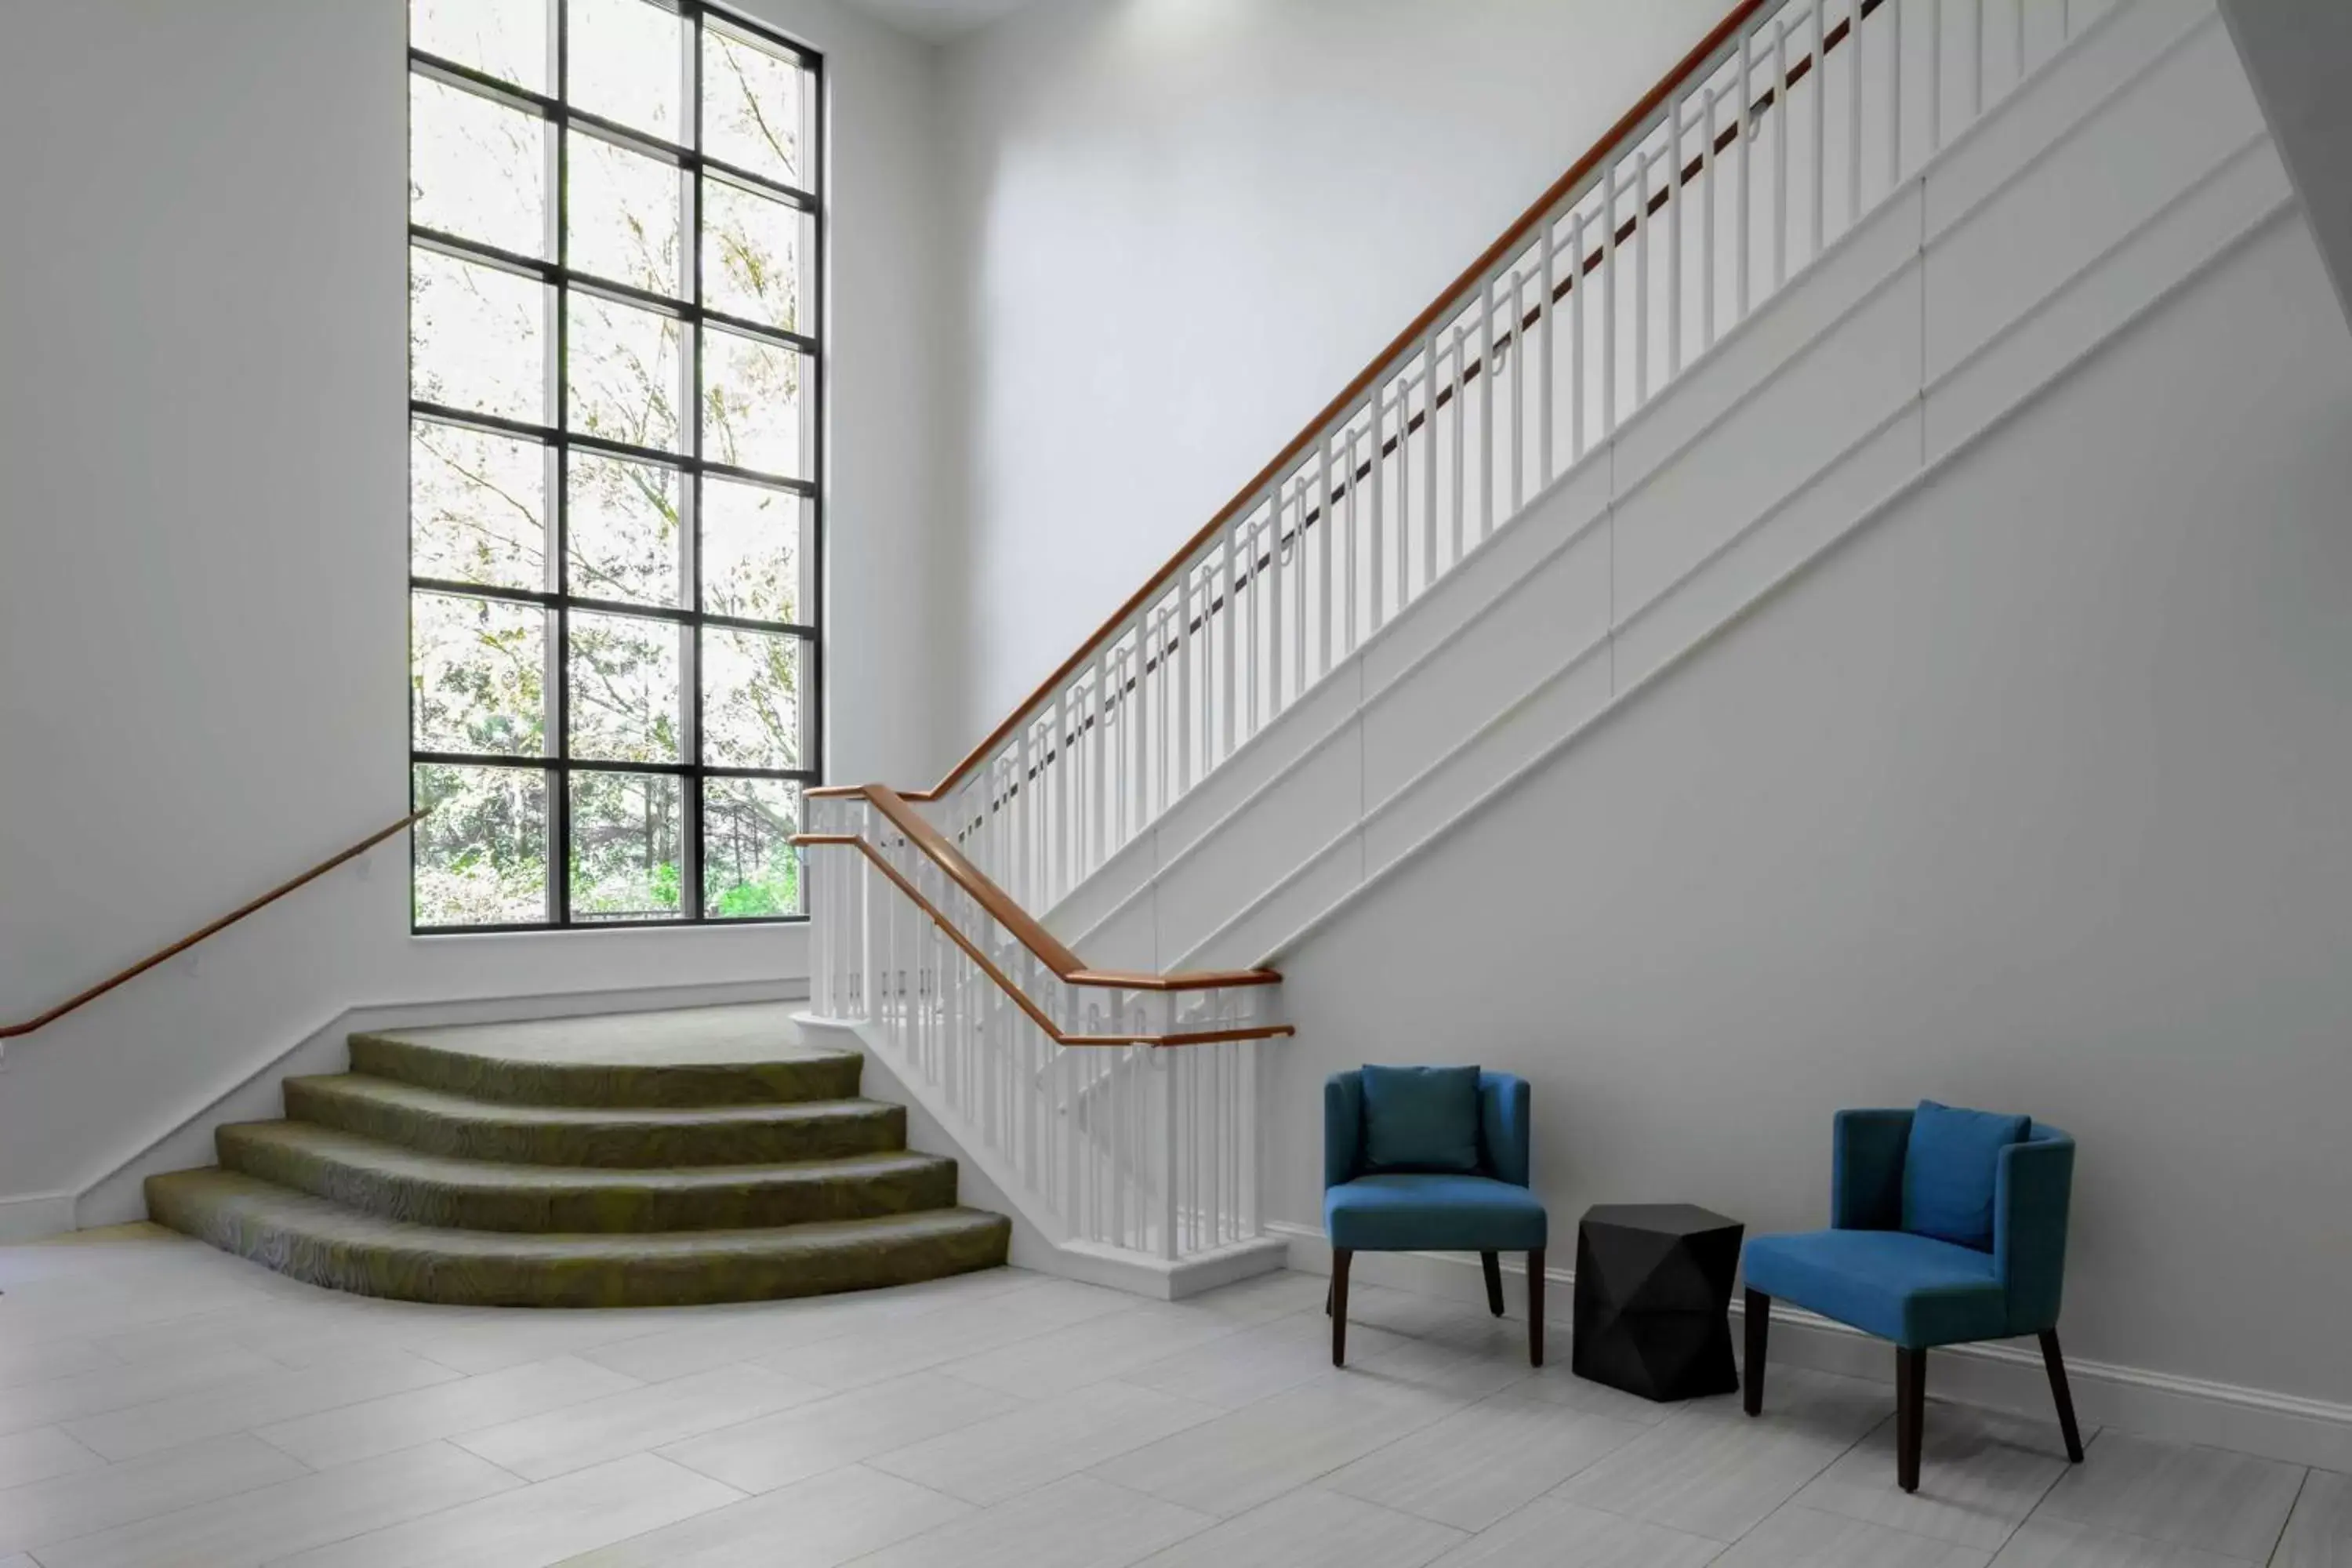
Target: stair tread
point(324, 1243)
point(453, 1170)
point(448, 1102)
point(326, 1217)
point(752, 1054)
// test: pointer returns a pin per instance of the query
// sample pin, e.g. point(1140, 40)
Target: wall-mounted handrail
point(121, 977)
point(1247, 497)
point(983, 890)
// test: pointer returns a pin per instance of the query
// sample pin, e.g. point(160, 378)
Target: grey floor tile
point(1260, 1360)
point(1107, 1346)
point(1314, 1529)
point(992, 1460)
point(793, 1445)
point(247, 1403)
point(41, 1512)
point(1479, 1464)
point(1558, 1533)
point(815, 1524)
point(2207, 1498)
point(1979, 1475)
point(376, 1426)
point(533, 1526)
point(1254, 1455)
point(1704, 1475)
point(291, 1516)
point(41, 1452)
point(2055, 1544)
point(540, 1448)
point(1080, 1522)
point(1807, 1538)
point(2319, 1532)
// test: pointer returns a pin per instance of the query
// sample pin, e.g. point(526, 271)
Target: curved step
point(434, 1121)
point(694, 1057)
point(312, 1239)
point(395, 1183)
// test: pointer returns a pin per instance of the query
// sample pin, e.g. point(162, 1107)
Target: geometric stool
point(1653, 1288)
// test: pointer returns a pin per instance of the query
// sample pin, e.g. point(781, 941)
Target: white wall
point(203, 540)
point(1186, 224)
point(2030, 796)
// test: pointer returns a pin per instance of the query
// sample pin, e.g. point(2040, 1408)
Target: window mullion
point(559, 805)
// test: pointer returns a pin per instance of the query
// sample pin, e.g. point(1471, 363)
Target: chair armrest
point(1866, 1170)
point(2032, 1190)
point(1505, 1129)
point(1343, 1128)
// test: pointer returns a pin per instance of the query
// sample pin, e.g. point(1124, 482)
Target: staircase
point(648, 1159)
point(1837, 246)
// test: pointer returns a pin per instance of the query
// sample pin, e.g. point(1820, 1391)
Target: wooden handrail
point(1526, 223)
point(1021, 999)
point(12, 1031)
point(1050, 950)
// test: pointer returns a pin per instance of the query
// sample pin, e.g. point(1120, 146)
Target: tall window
point(613, 249)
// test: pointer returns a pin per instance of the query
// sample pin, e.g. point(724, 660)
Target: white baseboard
point(1998, 1376)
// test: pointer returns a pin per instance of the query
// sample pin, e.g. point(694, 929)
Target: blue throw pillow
point(1949, 1168)
point(1421, 1119)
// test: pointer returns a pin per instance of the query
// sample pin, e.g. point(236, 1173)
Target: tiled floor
point(164, 1405)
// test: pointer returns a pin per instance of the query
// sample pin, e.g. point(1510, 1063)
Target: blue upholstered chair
point(1430, 1160)
point(1944, 1227)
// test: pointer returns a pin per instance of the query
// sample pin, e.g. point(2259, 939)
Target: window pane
point(623, 372)
point(751, 556)
point(749, 865)
point(481, 857)
point(475, 168)
point(752, 249)
point(624, 531)
point(506, 39)
point(627, 63)
point(751, 404)
point(477, 337)
point(627, 833)
point(477, 507)
point(750, 699)
point(477, 675)
point(752, 113)
point(623, 689)
point(623, 215)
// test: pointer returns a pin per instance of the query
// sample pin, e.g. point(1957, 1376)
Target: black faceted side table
point(1653, 1292)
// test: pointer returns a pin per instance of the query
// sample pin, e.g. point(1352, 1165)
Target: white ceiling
point(939, 20)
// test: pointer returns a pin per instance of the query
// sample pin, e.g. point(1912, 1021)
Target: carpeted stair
point(646, 1159)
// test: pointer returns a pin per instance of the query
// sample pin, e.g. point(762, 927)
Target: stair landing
point(646, 1159)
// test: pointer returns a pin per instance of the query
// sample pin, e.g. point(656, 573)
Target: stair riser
point(619, 1144)
point(420, 1273)
point(762, 1200)
point(598, 1084)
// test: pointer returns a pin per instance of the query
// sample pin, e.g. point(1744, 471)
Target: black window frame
point(557, 441)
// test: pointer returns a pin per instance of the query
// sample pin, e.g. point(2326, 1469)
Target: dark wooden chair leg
point(1756, 1321)
point(1340, 1259)
point(1493, 1263)
point(1327, 1300)
point(2056, 1366)
point(1535, 1307)
point(1910, 1414)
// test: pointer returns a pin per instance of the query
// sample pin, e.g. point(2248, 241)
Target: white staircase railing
point(1120, 1110)
point(1770, 142)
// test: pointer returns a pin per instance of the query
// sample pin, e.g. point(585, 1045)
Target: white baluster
point(1819, 73)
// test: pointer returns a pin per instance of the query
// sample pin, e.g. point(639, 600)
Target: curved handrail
point(1527, 222)
point(1066, 965)
point(1036, 1015)
point(121, 977)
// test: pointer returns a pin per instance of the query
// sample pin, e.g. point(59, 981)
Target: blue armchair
point(1944, 1227)
point(1470, 1196)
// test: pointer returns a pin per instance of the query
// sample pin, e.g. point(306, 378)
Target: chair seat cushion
point(1394, 1213)
point(1913, 1290)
